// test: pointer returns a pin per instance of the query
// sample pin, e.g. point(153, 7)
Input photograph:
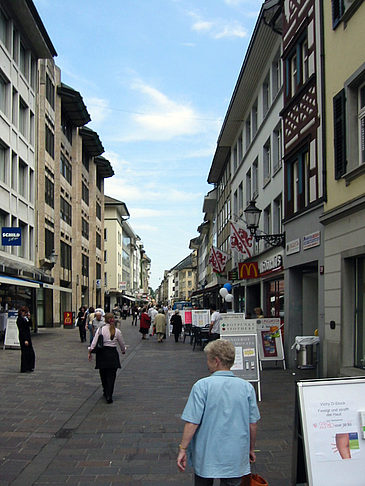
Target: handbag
point(254, 480)
point(99, 343)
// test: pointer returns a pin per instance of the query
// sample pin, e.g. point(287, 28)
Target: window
point(361, 118)
point(255, 178)
point(98, 271)
point(277, 215)
point(98, 211)
point(297, 180)
point(23, 114)
point(248, 187)
point(99, 181)
point(98, 240)
point(266, 95)
point(277, 150)
point(49, 141)
point(49, 191)
point(23, 62)
point(66, 169)
point(31, 186)
point(50, 91)
point(66, 127)
point(3, 163)
point(14, 170)
point(33, 72)
point(105, 257)
point(23, 169)
point(267, 220)
point(248, 132)
point(105, 234)
point(276, 75)
point(339, 119)
point(85, 194)
point(66, 256)
point(239, 149)
point(65, 211)
point(31, 128)
point(4, 89)
point(85, 266)
point(3, 222)
point(14, 107)
point(22, 249)
point(15, 45)
point(3, 29)
point(297, 66)
point(85, 158)
point(235, 203)
point(254, 121)
point(267, 161)
point(234, 157)
point(84, 228)
point(49, 242)
point(339, 7)
point(240, 198)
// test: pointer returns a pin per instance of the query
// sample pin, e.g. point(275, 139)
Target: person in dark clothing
point(176, 323)
point(134, 315)
point(27, 360)
point(81, 322)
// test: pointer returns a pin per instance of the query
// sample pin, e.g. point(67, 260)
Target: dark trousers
point(82, 332)
point(27, 359)
point(213, 336)
point(176, 336)
point(199, 481)
point(134, 320)
point(107, 377)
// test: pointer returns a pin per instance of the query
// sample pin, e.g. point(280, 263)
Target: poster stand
point(329, 445)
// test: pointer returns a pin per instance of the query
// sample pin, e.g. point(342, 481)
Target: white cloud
point(148, 213)
point(98, 109)
point(217, 28)
point(144, 227)
point(160, 118)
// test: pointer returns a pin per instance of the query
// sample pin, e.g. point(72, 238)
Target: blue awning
point(18, 281)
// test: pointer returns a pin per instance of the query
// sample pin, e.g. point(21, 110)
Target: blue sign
point(11, 236)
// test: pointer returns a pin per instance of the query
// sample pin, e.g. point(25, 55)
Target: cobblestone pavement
point(56, 428)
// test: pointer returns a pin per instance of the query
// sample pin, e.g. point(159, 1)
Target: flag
point(240, 240)
point(218, 259)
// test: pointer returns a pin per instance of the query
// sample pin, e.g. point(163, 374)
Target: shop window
point(360, 314)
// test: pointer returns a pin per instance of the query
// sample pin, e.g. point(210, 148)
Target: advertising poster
point(201, 318)
point(270, 339)
point(333, 412)
point(188, 317)
point(11, 333)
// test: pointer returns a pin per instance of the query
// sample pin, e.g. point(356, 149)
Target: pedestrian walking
point(81, 318)
point(89, 322)
point(215, 323)
point(176, 323)
point(107, 358)
point(98, 320)
point(221, 418)
point(24, 324)
point(144, 323)
point(134, 315)
point(152, 312)
point(160, 323)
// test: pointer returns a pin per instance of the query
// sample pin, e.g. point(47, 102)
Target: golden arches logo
point(248, 270)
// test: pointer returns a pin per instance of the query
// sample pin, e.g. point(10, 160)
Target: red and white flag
point(218, 259)
point(241, 240)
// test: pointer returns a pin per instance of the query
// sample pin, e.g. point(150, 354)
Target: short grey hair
point(222, 349)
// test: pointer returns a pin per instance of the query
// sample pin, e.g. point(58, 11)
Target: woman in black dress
point(27, 360)
point(176, 323)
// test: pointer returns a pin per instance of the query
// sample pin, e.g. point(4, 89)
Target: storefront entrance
point(360, 314)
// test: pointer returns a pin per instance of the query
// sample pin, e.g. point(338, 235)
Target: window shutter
point(337, 12)
point(339, 119)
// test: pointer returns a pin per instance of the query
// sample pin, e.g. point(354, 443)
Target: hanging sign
point(11, 236)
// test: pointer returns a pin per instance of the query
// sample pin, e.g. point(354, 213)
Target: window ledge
point(353, 174)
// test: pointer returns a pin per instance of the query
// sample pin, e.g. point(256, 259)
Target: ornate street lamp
point(252, 216)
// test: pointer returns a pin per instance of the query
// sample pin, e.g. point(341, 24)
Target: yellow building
point(343, 342)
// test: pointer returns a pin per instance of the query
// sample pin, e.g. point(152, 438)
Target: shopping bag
point(254, 480)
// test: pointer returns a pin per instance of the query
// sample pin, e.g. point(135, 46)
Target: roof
point(92, 141)
point(73, 105)
point(187, 262)
point(104, 167)
point(27, 17)
point(254, 64)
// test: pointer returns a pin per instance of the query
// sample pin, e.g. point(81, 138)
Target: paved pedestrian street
point(57, 429)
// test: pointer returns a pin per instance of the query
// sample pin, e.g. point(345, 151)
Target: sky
point(157, 77)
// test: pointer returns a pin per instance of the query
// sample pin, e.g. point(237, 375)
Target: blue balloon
point(228, 286)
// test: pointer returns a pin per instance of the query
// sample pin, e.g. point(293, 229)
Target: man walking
point(215, 323)
point(221, 418)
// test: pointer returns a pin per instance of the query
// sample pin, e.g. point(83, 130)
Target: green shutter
point(339, 120)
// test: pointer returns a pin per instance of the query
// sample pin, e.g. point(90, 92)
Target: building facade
point(344, 212)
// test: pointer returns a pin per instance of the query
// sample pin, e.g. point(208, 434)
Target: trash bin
point(304, 346)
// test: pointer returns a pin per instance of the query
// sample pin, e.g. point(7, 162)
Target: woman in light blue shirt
point(221, 419)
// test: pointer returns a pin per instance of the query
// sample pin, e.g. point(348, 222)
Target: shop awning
point(57, 287)
point(128, 298)
point(18, 281)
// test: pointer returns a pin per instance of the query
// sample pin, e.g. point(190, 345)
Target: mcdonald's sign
point(248, 270)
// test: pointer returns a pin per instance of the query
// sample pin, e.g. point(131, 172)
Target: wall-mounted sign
point(98, 283)
point(271, 264)
point(248, 270)
point(11, 236)
point(122, 285)
point(311, 240)
point(293, 246)
point(233, 275)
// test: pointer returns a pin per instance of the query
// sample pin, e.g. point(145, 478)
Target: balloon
point(229, 298)
point(223, 292)
point(228, 286)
